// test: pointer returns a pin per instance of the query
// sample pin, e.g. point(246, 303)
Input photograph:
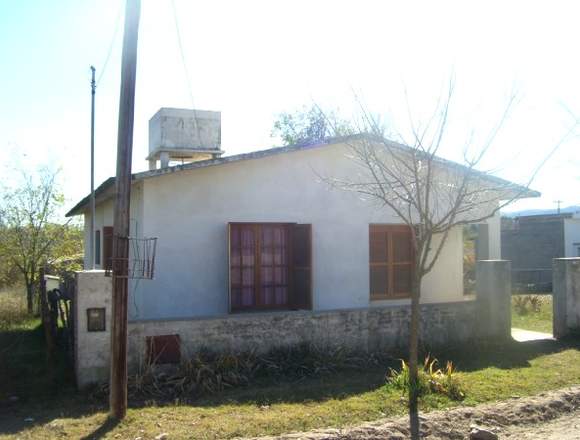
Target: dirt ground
point(553, 415)
point(564, 428)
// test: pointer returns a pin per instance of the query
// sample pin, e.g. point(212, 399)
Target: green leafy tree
point(30, 234)
point(309, 125)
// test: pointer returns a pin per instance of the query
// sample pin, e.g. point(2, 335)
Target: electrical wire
point(185, 70)
point(113, 39)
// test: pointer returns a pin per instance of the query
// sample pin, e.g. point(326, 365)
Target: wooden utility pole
point(120, 263)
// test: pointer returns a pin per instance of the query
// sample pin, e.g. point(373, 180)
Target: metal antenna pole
point(92, 234)
point(120, 262)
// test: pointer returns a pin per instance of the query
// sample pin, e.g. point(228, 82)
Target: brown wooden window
point(97, 246)
point(391, 259)
point(107, 247)
point(270, 266)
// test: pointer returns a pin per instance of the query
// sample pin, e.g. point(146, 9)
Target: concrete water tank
point(183, 135)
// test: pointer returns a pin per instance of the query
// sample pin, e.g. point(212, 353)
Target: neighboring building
point(532, 242)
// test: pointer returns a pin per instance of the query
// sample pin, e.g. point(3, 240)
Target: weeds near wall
point(208, 372)
point(526, 304)
point(432, 380)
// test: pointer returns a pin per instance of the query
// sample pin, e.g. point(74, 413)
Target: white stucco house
point(254, 250)
point(260, 231)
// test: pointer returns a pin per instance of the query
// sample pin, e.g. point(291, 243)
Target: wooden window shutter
point(379, 245)
point(302, 266)
point(107, 247)
point(97, 249)
point(391, 260)
point(403, 262)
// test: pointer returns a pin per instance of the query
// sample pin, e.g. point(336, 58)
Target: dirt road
point(547, 416)
point(566, 427)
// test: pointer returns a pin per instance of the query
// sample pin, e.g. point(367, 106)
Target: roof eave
point(81, 206)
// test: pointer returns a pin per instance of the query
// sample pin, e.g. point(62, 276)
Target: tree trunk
point(30, 297)
point(414, 360)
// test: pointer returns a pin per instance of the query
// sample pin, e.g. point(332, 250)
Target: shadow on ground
point(59, 399)
point(100, 432)
point(511, 354)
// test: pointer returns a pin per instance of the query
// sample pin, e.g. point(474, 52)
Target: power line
point(113, 39)
point(181, 52)
point(185, 70)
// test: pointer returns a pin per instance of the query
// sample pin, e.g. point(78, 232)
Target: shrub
point(520, 304)
point(305, 360)
point(536, 302)
point(209, 372)
point(525, 304)
point(205, 373)
point(430, 379)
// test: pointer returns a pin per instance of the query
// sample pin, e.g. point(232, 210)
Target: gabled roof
point(110, 182)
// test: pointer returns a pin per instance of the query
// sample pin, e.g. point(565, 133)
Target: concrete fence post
point(493, 287)
point(92, 310)
point(566, 296)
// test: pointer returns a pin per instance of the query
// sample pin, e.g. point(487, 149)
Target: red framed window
point(97, 249)
point(108, 233)
point(391, 261)
point(269, 266)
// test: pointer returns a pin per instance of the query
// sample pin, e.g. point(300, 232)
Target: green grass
point(24, 371)
point(488, 373)
point(269, 407)
point(540, 321)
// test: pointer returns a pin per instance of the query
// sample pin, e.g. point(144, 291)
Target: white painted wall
point(104, 217)
point(189, 212)
point(571, 237)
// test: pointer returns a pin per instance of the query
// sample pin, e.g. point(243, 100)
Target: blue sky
point(255, 59)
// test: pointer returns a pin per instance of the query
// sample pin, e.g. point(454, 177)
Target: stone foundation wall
point(377, 328)
point(374, 328)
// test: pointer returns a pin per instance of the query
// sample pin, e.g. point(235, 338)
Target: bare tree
point(432, 196)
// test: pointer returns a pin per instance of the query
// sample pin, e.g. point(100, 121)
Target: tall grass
point(431, 379)
point(13, 308)
point(532, 312)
